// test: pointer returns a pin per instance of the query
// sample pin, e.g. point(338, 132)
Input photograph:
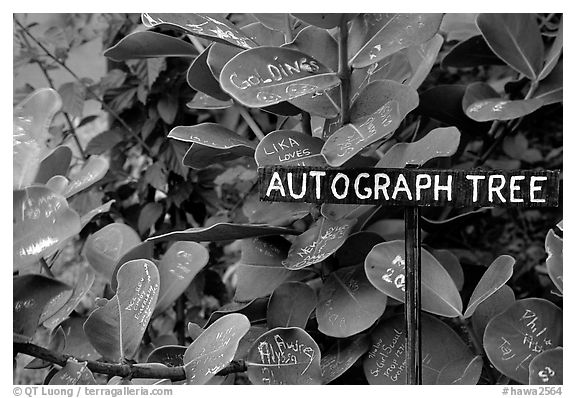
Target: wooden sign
point(410, 187)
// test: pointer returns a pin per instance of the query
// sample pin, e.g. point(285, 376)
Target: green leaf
point(116, 329)
point(248, 340)
point(284, 356)
point(144, 250)
point(319, 242)
point(422, 59)
point(218, 56)
point(470, 53)
point(269, 75)
point(73, 95)
point(201, 25)
point(42, 222)
point(494, 277)
point(452, 265)
point(553, 54)
point(169, 355)
point(57, 184)
point(167, 108)
point(356, 248)
point(440, 347)
point(104, 141)
point(148, 216)
point(214, 348)
point(180, 264)
point(211, 143)
point(31, 294)
point(554, 261)
point(516, 39)
point(288, 147)
point(324, 21)
point(149, 45)
point(390, 33)
point(106, 246)
point(462, 371)
point(342, 355)
point(550, 90)
point(55, 164)
point(492, 306)
point(31, 120)
point(290, 305)
point(77, 344)
point(73, 373)
point(384, 267)
point(200, 77)
point(222, 232)
point(459, 26)
point(514, 337)
point(263, 35)
point(348, 303)
point(440, 142)
point(278, 213)
point(92, 171)
point(278, 21)
point(547, 368)
point(254, 310)
point(85, 218)
point(478, 91)
point(204, 101)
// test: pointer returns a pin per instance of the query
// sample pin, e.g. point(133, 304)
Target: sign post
point(410, 188)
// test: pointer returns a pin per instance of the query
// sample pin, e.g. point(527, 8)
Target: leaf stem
point(344, 72)
point(306, 123)
point(46, 268)
point(251, 122)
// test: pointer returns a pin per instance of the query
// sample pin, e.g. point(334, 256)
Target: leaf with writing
point(440, 142)
point(200, 77)
point(92, 171)
point(204, 101)
point(469, 53)
point(214, 348)
point(547, 368)
point(284, 356)
point(116, 329)
point(463, 371)
point(384, 267)
point(452, 265)
point(318, 243)
point(254, 310)
point(288, 147)
point(73, 373)
point(290, 305)
point(389, 33)
point(211, 143)
point(180, 264)
point(516, 39)
point(31, 120)
point(494, 277)
point(143, 250)
point(149, 45)
point(440, 346)
point(248, 340)
point(55, 164)
point(201, 25)
point(502, 109)
point(106, 246)
point(550, 90)
point(554, 261)
point(31, 294)
point(269, 75)
point(169, 355)
point(218, 56)
point(514, 337)
point(42, 222)
point(492, 306)
point(222, 232)
point(342, 355)
point(553, 53)
point(348, 303)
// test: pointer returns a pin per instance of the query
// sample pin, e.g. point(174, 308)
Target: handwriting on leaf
point(342, 355)
point(547, 367)
point(287, 147)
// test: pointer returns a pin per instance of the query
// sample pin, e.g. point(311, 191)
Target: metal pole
point(413, 303)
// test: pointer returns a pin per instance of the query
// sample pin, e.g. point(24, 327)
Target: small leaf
point(204, 101)
point(269, 75)
point(495, 276)
point(554, 261)
point(290, 148)
point(348, 303)
point(116, 329)
point(550, 90)
point(85, 218)
point(469, 53)
point(211, 143)
point(384, 267)
point(513, 338)
point(463, 371)
point(167, 108)
point(440, 346)
point(55, 164)
point(200, 78)
point(42, 222)
point(180, 264)
point(341, 356)
point(500, 109)
point(284, 356)
point(290, 305)
point(553, 54)
point(104, 141)
point(254, 310)
point(106, 246)
point(318, 243)
point(201, 25)
point(516, 39)
point(92, 171)
point(73, 95)
point(149, 215)
point(73, 373)
point(492, 306)
point(57, 184)
point(149, 45)
point(547, 368)
point(422, 59)
point(169, 355)
point(214, 348)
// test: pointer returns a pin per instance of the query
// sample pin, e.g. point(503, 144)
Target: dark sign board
point(410, 187)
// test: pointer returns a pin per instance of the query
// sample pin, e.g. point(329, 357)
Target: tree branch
point(344, 72)
point(176, 373)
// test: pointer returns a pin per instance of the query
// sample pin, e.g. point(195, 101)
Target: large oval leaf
point(547, 368)
point(385, 362)
point(264, 35)
point(149, 45)
point(348, 303)
point(284, 356)
point(269, 75)
point(513, 338)
point(502, 109)
point(516, 39)
point(290, 305)
point(422, 59)
point(554, 261)
point(77, 344)
point(342, 355)
point(356, 248)
point(384, 267)
point(116, 329)
point(92, 171)
point(452, 265)
point(201, 25)
point(325, 21)
point(180, 264)
point(389, 33)
point(55, 164)
point(200, 77)
point(471, 52)
point(495, 276)
point(288, 147)
point(463, 371)
point(42, 222)
point(214, 348)
point(211, 143)
point(492, 306)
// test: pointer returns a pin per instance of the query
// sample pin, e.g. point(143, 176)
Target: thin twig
point(250, 121)
point(46, 268)
point(344, 72)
